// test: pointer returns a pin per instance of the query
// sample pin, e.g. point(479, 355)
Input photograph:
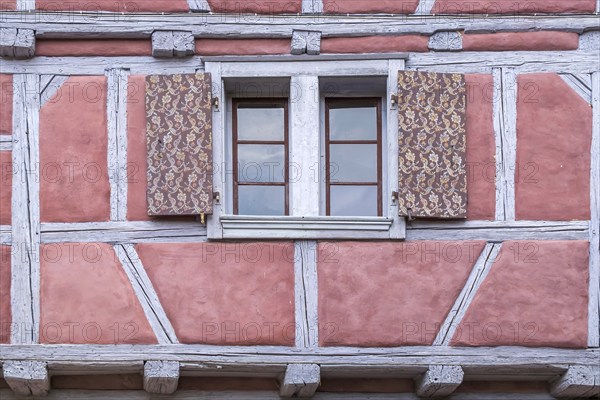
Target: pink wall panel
point(481, 148)
point(216, 47)
point(6, 176)
point(536, 294)
point(534, 41)
point(369, 6)
point(114, 5)
point(256, 6)
point(225, 293)
point(6, 104)
point(389, 294)
point(554, 133)
point(86, 297)
point(73, 153)
point(375, 44)
point(8, 4)
point(513, 6)
point(93, 47)
point(5, 283)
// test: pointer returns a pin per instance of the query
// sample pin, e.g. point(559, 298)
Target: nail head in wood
point(161, 377)
point(446, 41)
point(578, 381)
point(27, 378)
point(300, 380)
point(439, 381)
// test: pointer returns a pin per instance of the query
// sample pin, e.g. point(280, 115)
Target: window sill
point(251, 227)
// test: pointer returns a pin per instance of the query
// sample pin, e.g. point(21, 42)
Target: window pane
point(357, 123)
point(353, 163)
point(261, 200)
point(260, 124)
point(261, 163)
point(353, 200)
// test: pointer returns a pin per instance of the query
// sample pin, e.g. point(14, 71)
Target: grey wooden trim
point(439, 381)
point(509, 140)
point(498, 118)
point(50, 85)
point(98, 65)
point(5, 235)
point(306, 42)
point(146, 294)
point(312, 6)
point(117, 142)
point(446, 41)
point(424, 7)
point(597, 6)
point(199, 6)
point(161, 377)
point(594, 291)
point(307, 57)
point(27, 378)
point(589, 40)
point(579, 86)
point(123, 232)
point(300, 380)
point(25, 5)
point(306, 294)
point(497, 231)
point(6, 142)
point(85, 25)
point(299, 68)
point(480, 270)
point(60, 394)
point(578, 381)
point(169, 44)
point(25, 271)
point(17, 43)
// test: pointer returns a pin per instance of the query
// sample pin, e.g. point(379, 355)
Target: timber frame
point(501, 363)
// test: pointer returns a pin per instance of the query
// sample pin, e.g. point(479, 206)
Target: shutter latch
point(394, 197)
point(393, 100)
point(217, 197)
point(215, 103)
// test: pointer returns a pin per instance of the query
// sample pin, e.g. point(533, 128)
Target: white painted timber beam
point(579, 85)
point(312, 6)
point(594, 290)
point(439, 381)
point(199, 6)
point(17, 43)
point(6, 142)
point(306, 294)
point(161, 377)
point(424, 7)
point(446, 41)
point(578, 381)
point(27, 378)
point(168, 44)
point(306, 42)
point(25, 5)
point(300, 380)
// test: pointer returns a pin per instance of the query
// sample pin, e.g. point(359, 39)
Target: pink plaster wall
point(513, 6)
point(73, 153)
point(370, 6)
point(256, 6)
point(481, 148)
point(375, 44)
point(93, 47)
point(225, 293)
point(389, 294)
point(554, 133)
point(6, 104)
point(8, 4)
point(170, 6)
point(5, 282)
point(6, 174)
point(536, 294)
point(506, 41)
point(217, 47)
point(86, 297)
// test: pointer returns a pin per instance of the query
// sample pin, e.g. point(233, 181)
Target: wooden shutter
point(179, 144)
point(432, 145)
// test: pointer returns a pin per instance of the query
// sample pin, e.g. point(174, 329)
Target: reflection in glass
point(261, 163)
point(353, 163)
point(261, 200)
point(353, 201)
point(260, 123)
point(357, 123)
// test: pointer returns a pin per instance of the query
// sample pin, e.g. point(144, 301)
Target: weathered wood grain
point(446, 41)
point(594, 291)
point(27, 378)
point(498, 118)
point(306, 294)
point(199, 6)
point(300, 380)
point(577, 382)
point(161, 377)
point(424, 7)
point(312, 6)
point(439, 381)
point(509, 140)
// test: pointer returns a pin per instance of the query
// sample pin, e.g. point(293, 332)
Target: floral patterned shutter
point(432, 145)
point(179, 144)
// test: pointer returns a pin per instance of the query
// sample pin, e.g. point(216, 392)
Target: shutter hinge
point(394, 197)
point(217, 197)
point(393, 100)
point(215, 103)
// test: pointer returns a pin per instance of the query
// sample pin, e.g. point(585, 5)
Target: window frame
point(257, 102)
point(353, 101)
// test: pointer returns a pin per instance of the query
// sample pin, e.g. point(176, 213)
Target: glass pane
point(260, 124)
point(261, 163)
point(261, 200)
point(353, 201)
point(353, 162)
point(357, 123)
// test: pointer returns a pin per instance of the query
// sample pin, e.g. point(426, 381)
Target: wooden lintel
point(439, 381)
point(578, 381)
point(300, 380)
point(161, 377)
point(27, 378)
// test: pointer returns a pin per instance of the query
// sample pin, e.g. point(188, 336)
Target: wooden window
point(260, 157)
point(353, 156)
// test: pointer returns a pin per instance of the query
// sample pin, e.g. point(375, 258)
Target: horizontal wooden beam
point(27, 378)
point(578, 381)
point(108, 25)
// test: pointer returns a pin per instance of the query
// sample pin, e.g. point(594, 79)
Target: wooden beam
point(161, 377)
point(509, 140)
point(578, 381)
point(424, 7)
point(498, 118)
point(199, 6)
point(300, 380)
point(27, 378)
point(312, 7)
point(25, 5)
point(24, 46)
point(578, 85)
point(446, 41)
point(49, 86)
point(306, 294)
point(594, 290)
point(168, 44)
point(439, 381)
point(5, 235)
point(6, 142)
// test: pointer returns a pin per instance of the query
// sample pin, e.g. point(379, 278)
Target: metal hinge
point(215, 103)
